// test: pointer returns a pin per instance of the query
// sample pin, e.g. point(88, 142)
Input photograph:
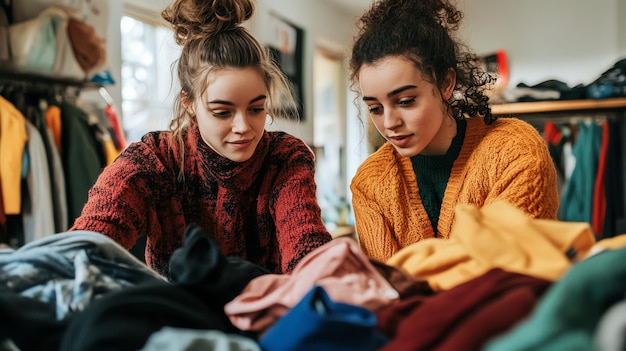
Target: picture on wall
point(286, 45)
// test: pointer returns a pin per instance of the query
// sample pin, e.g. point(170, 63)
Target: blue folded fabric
point(318, 323)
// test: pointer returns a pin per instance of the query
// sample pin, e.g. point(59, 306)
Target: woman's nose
point(240, 123)
point(392, 119)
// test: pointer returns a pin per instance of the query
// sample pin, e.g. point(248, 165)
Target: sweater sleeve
point(382, 200)
point(522, 173)
point(120, 204)
point(297, 215)
point(375, 234)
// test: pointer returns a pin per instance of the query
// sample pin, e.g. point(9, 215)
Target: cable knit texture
point(263, 210)
point(506, 160)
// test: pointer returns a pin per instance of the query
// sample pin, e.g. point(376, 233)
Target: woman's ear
point(449, 83)
point(184, 98)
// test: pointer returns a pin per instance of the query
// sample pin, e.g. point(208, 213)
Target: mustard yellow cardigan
point(507, 160)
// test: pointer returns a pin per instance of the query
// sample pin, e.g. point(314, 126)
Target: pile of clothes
point(502, 281)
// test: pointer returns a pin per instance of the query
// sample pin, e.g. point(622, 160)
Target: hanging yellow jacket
point(13, 139)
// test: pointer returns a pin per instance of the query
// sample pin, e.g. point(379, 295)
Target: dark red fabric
point(551, 133)
point(263, 210)
point(120, 135)
point(496, 317)
point(598, 209)
point(472, 312)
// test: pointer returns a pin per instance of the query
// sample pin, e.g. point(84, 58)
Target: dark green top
point(432, 173)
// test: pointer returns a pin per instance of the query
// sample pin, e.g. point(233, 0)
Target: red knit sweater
point(264, 210)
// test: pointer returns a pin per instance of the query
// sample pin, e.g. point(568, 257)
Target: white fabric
point(38, 217)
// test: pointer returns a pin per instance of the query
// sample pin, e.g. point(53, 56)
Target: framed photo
point(286, 45)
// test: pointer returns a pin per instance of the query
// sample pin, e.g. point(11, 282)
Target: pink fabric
point(338, 266)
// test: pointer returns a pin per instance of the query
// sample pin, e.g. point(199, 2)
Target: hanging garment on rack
point(118, 131)
point(37, 213)
point(59, 191)
point(102, 130)
point(83, 157)
point(598, 207)
point(615, 182)
point(576, 204)
point(5, 52)
point(555, 140)
point(34, 110)
point(53, 121)
point(13, 140)
point(33, 103)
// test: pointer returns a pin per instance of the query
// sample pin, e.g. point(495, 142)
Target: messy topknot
point(192, 19)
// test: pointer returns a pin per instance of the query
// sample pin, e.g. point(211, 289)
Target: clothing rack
point(604, 209)
point(60, 88)
point(34, 79)
point(541, 110)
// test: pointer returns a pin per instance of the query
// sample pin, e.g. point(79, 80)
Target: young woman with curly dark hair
point(425, 93)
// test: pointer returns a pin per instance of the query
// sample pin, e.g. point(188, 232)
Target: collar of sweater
point(442, 162)
point(227, 173)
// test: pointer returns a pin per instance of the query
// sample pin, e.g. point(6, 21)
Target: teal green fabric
point(577, 199)
point(42, 54)
point(569, 312)
point(432, 173)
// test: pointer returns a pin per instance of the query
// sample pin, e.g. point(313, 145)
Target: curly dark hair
point(421, 30)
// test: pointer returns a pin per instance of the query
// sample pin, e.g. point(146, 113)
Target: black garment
point(202, 282)
point(200, 267)
point(614, 182)
point(29, 323)
point(611, 83)
point(125, 320)
point(565, 91)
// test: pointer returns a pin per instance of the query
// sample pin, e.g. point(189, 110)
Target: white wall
point(323, 25)
point(621, 30)
point(570, 40)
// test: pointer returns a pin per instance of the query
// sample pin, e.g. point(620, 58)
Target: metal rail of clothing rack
point(13, 79)
point(559, 108)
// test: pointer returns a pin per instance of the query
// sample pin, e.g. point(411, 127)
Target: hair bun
point(193, 19)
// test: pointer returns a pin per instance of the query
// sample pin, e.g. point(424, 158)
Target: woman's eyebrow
point(392, 93)
point(224, 102)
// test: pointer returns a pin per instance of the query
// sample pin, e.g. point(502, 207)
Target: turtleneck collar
point(443, 161)
point(228, 173)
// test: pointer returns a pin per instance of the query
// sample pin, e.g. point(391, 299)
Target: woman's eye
point(221, 114)
point(406, 102)
point(257, 110)
point(374, 110)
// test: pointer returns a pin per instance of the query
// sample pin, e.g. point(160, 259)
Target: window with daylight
point(148, 81)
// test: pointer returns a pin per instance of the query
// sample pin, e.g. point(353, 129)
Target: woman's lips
point(400, 140)
point(241, 144)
